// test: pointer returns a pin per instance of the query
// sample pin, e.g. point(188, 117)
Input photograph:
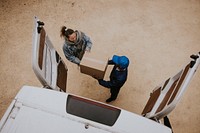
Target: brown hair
point(64, 32)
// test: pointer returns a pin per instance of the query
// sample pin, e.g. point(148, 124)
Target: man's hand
point(100, 80)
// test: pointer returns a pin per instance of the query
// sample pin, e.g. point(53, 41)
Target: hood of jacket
point(79, 36)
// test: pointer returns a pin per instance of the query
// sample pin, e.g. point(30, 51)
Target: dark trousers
point(114, 93)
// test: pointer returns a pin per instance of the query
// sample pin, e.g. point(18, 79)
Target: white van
point(39, 110)
point(44, 110)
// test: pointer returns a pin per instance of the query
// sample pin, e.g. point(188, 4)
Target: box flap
point(92, 66)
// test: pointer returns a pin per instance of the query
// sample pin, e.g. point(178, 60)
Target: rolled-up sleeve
point(88, 42)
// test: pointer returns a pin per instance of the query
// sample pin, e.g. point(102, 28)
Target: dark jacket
point(117, 79)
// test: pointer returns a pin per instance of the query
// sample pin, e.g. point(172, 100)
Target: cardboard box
point(93, 67)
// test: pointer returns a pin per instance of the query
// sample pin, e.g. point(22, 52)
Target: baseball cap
point(122, 61)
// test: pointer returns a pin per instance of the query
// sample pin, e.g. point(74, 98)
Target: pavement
point(157, 36)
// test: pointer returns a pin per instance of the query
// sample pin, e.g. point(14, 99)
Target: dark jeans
point(114, 92)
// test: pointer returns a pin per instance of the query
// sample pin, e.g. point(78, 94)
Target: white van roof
point(38, 110)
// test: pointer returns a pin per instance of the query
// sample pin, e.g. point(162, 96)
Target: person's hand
point(78, 64)
point(100, 80)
